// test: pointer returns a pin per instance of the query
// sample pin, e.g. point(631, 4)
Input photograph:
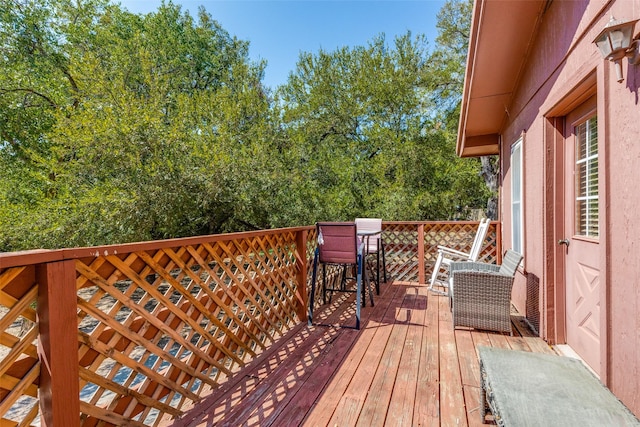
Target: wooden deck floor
point(405, 367)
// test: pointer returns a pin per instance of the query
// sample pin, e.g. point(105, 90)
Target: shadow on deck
point(406, 366)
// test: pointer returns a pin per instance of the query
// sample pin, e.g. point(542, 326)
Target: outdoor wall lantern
point(615, 42)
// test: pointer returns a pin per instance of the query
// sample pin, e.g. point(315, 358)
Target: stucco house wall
point(558, 61)
point(563, 68)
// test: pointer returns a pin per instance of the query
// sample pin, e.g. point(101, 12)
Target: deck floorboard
point(405, 366)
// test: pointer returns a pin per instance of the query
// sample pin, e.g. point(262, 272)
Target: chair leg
point(434, 275)
point(359, 278)
point(363, 281)
point(378, 272)
point(313, 288)
point(384, 262)
point(358, 290)
point(324, 283)
point(368, 270)
point(343, 281)
point(368, 282)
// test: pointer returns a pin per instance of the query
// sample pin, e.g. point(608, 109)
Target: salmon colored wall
point(562, 56)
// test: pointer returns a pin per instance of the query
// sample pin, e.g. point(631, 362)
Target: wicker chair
point(481, 293)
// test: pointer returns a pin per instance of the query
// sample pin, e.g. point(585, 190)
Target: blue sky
point(279, 30)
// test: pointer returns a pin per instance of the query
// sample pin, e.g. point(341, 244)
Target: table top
point(367, 232)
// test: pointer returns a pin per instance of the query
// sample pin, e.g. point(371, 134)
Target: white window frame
point(517, 197)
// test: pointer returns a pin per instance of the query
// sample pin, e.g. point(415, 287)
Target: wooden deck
point(405, 367)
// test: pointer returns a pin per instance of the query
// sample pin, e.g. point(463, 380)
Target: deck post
point(421, 259)
point(58, 344)
point(301, 278)
point(498, 242)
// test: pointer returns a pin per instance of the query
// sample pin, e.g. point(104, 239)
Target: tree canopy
point(118, 127)
point(369, 134)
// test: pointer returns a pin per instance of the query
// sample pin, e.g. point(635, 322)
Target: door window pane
point(586, 185)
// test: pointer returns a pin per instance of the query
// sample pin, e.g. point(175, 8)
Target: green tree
point(448, 60)
point(446, 80)
point(369, 138)
point(123, 127)
point(118, 127)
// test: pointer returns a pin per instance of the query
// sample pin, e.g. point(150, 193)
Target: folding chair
point(448, 255)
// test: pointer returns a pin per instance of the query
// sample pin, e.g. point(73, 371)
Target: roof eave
point(499, 42)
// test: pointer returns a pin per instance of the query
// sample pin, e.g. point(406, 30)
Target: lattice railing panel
point(401, 244)
point(490, 248)
point(401, 248)
point(455, 236)
point(460, 237)
point(161, 329)
point(19, 363)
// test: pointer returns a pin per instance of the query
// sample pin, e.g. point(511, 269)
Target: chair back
point(370, 225)
point(479, 239)
point(510, 262)
point(337, 242)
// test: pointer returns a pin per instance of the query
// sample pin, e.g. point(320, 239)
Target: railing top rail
point(23, 258)
point(431, 222)
point(30, 257)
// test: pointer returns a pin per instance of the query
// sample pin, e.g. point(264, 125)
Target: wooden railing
point(136, 334)
point(412, 246)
